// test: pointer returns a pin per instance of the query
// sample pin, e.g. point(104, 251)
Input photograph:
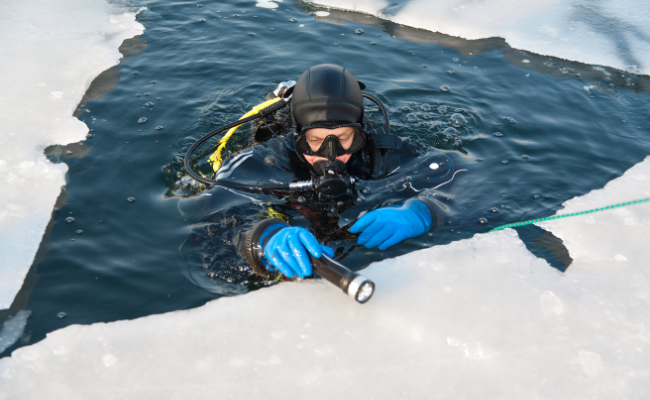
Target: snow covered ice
point(612, 33)
point(50, 51)
point(479, 318)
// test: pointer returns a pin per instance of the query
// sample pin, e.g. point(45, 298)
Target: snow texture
point(479, 318)
point(51, 50)
point(612, 33)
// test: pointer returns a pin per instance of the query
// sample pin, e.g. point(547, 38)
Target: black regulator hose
point(209, 182)
point(382, 108)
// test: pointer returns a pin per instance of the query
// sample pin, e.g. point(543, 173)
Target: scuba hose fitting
point(251, 244)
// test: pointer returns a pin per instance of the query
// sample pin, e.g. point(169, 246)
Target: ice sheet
point(51, 50)
point(479, 318)
point(13, 328)
point(612, 33)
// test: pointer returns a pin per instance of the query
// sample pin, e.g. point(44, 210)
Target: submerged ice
point(612, 33)
point(478, 318)
point(51, 51)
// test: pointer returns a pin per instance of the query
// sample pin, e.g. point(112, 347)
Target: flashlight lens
point(365, 292)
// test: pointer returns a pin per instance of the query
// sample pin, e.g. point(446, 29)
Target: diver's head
point(327, 110)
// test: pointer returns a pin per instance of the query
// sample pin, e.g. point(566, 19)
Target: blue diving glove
point(387, 226)
point(287, 251)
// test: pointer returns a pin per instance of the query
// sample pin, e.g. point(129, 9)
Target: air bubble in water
point(411, 117)
point(358, 31)
point(498, 134)
point(159, 127)
point(458, 119)
point(293, 20)
point(455, 59)
point(511, 120)
point(365, 190)
point(442, 110)
point(321, 13)
point(525, 157)
point(525, 61)
point(251, 34)
point(445, 88)
point(149, 104)
point(450, 72)
point(69, 220)
point(142, 120)
point(154, 82)
point(68, 153)
point(146, 94)
point(425, 107)
point(61, 315)
point(494, 210)
point(340, 204)
point(504, 162)
point(131, 199)
point(201, 20)
point(535, 196)
point(79, 232)
point(137, 95)
point(301, 199)
point(135, 72)
point(483, 220)
point(449, 132)
point(360, 199)
point(406, 109)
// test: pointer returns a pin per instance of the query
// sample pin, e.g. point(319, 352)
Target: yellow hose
point(215, 159)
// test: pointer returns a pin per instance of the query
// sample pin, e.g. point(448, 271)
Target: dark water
point(537, 134)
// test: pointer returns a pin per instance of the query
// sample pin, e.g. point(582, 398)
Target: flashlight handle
point(336, 273)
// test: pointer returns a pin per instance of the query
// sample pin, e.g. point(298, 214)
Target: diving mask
point(331, 147)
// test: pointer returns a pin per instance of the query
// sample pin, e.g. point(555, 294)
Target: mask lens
point(331, 146)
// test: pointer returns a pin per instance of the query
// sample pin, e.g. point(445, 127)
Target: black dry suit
point(384, 171)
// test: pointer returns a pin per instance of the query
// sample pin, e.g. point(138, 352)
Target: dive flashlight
point(351, 283)
point(250, 244)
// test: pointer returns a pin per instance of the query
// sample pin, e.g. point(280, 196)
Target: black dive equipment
point(251, 244)
point(331, 181)
point(290, 187)
point(325, 96)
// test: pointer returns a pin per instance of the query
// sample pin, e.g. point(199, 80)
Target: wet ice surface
point(12, 329)
point(37, 105)
point(478, 318)
point(613, 33)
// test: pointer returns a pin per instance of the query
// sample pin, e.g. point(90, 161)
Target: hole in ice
point(545, 245)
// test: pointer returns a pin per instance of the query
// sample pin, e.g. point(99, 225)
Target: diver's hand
point(287, 251)
point(387, 226)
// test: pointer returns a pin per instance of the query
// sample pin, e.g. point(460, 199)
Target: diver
point(350, 182)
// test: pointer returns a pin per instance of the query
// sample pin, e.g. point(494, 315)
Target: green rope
point(532, 221)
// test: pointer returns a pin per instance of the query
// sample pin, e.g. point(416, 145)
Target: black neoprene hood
point(327, 94)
